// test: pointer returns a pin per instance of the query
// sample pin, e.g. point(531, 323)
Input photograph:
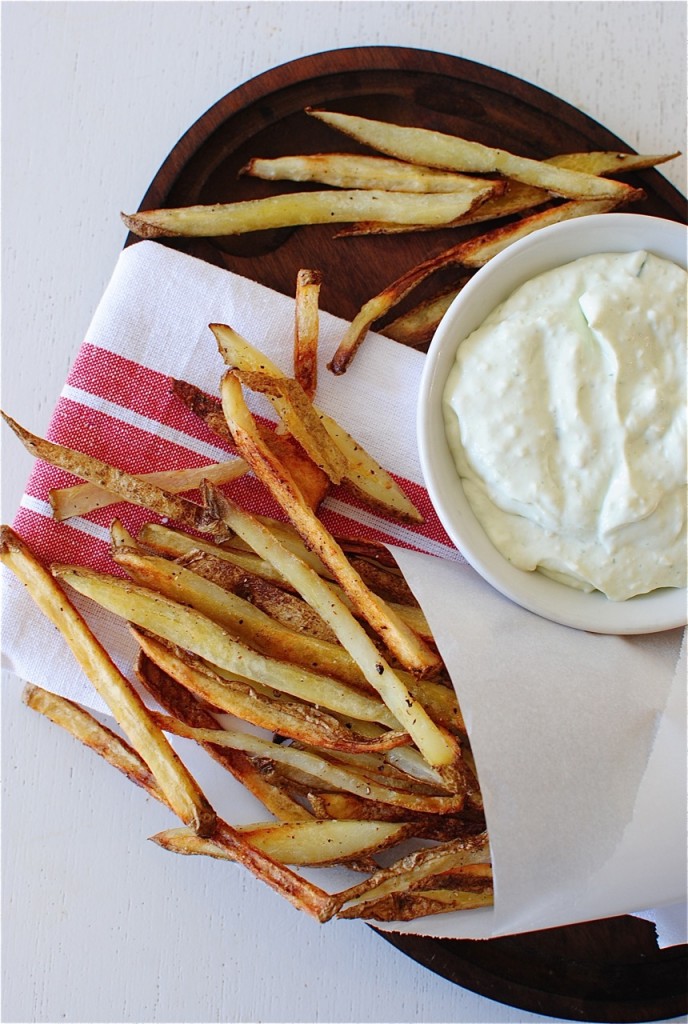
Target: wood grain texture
point(98, 925)
point(267, 117)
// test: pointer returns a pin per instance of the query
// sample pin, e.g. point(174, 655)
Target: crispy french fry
point(226, 841)
point(323, 842)
point(416, 327)
point(374, 768)
point(300, 419)
point(317, 766)
point(176, 543)
point(306, 330)
point(92, 733)
point(313, 481)
point(357, 171)
point(243, 565)
point(407, 872)
point(478, 251)
point(302, 208)
point(463, 877)
point(184, 705)
point(449, 152)
point(434, 742)
point(364, 475)
point(190, 629)
point(125, 485)
point(388, 584)
point(473, 253)
point(301, 893)
point(409, 906)
point(413, 653)
point(287, 536)
point(243, 620)
point(83, 498)
point(290, 719)
point(303, 843)
point(434, 827)
point(281, 605)
point(517, 197)
point(181, 790)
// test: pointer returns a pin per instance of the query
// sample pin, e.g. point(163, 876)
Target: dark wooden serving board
point(599, 971)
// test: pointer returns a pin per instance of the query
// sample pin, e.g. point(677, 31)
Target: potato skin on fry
point(92, 733)
point(452, 153)
point(301, 208)
point(357, 170)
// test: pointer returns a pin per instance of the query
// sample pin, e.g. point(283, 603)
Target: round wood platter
point(606, 970)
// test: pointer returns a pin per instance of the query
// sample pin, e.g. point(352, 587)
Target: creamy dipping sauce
point(566, 416)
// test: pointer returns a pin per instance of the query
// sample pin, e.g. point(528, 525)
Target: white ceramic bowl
point(550, 247)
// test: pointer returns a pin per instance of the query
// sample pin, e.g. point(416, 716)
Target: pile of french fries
point(359, 753)
point(426, 180)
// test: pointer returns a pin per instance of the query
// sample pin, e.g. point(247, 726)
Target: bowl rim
point(657, 611)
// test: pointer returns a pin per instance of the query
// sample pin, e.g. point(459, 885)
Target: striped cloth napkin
point(151, 324)
point(569, 719)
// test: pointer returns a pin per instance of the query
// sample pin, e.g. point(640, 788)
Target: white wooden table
point(97, 925)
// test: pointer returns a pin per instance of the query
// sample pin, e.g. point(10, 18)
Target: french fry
point(463, 877)
point(297, 209)
point(373, 767)
point(478, 251)
point(517, 197)
point(375, 550)
point(176, 543)
point(322, 843)
point(125, 485)
point(437, 698)
point(83, 498)
point(357, 171)
point(92, 733)
point(300, 419)
point(434, 827)
point(242, 566)
point(281, 605)
point(290, 719)
point(313, 481)
point(243, 620)
point(449, 152)
point(319, 767)
point(416, 327)
point(474, 253)
point(435, 743)
point(226, 841)
point(184, 705)
point(181, 791)
point(306, 330)
point(89, 731)
point(407, 872)
point(409, 906)
point(372, 559)
point(301, 893)
point(190, 629)
point(287, 536)
point(412, 652)
point(305, 843)
point(364, 474)
point(388, 584)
